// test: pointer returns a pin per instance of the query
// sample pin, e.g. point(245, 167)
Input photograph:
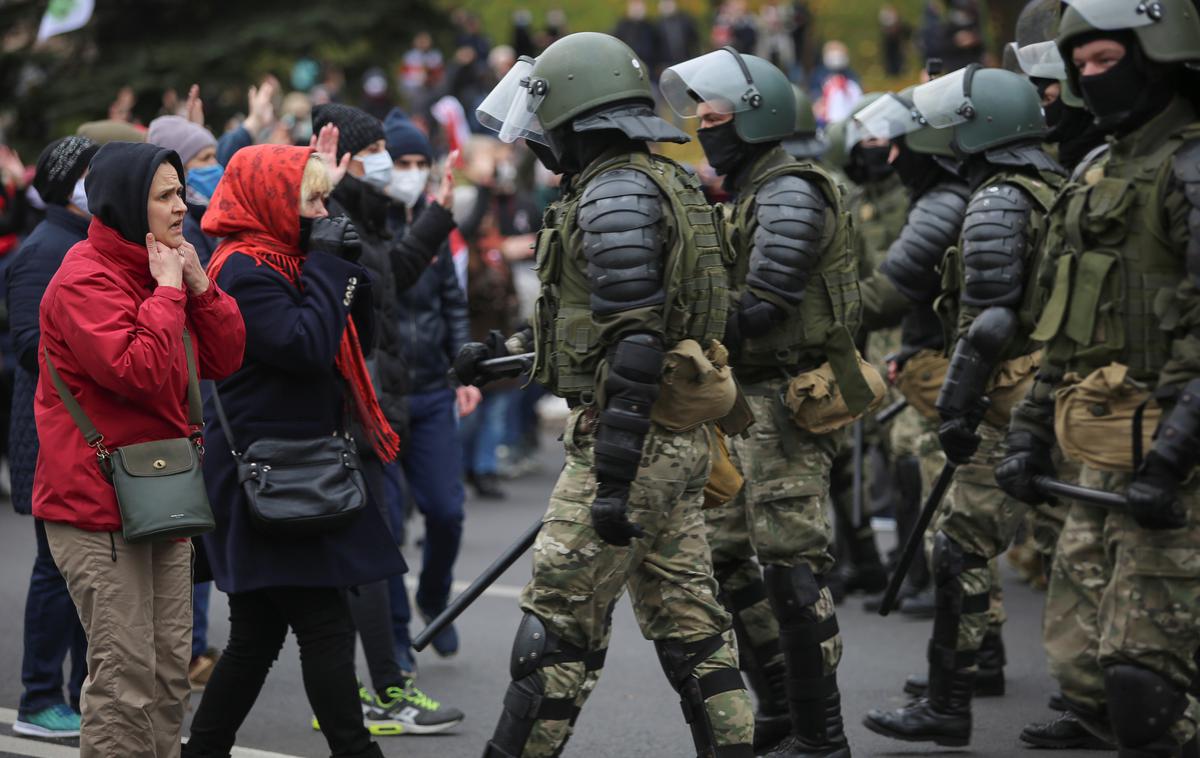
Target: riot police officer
point(797, 303)
point(989, 310)
point(631, 270)
point(1119, 390)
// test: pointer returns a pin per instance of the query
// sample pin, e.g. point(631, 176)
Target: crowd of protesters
point(326, 233)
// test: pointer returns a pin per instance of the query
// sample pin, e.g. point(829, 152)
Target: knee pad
point(679, 661)
point(1142, 704)
point(793, 591)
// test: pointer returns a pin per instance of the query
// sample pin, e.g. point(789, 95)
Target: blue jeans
point(201, 593)
point(485, 430)
point(432, 461)
point(52, 631)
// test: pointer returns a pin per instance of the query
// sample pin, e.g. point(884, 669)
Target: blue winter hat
point(404, 138)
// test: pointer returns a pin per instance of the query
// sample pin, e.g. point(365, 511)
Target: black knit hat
point(357, 129)
point(118, 186)
point(60, 165)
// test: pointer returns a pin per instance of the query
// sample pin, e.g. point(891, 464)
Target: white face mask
point(79, 197)
point(406, 186)
point(377, 168)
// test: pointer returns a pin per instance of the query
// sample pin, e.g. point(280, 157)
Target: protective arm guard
point(634, 366)
point(1177, 442)
point(621, 215)
point(791, 215)
point(971, 366)
point(995, 243)
point(933, 225)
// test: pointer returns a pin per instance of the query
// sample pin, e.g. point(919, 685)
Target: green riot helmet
point(837, 152)
point(1034, 51)
point(571, 83)
point(804, 144)
point(986, 108)
point(758, 94)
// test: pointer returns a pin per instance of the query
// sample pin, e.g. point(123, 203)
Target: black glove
point(466, 363)
point(959, 439)
point(1028, 456)
point(1154, 495)
point(337, 236)
point(610, 517)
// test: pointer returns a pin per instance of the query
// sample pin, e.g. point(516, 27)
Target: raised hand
point(194, 275)
point(166, 264)
point(260, 106)
point(12, 166)
point(445, 192)
point(194, 108)
point(326, 144)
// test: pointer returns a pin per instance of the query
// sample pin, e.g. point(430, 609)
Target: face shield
point(1040, 60)
point(719, 78)
point(946, 101)
point(510, 109)
point(1118, 14)
point(887, 118)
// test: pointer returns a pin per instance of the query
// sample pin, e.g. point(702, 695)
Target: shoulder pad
point(1026, 156)
point(787, 243)
point(933, 225)
point(620, 214)
point(619, 200)
point(995, 238)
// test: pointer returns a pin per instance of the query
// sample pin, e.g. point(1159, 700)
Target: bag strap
point(91, 434)
point(216, 396)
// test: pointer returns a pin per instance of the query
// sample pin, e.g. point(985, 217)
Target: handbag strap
point(91, 434)
point(220, 407)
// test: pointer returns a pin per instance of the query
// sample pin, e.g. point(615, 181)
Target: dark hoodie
point(118, 185)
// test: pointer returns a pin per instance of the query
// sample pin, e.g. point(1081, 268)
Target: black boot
point(943, 718)
point(814, 702)
point(989, 680)
point(1061, 733)
point(920, 605)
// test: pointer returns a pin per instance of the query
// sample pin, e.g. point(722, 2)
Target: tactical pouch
point(697, 386)
point(921, 379)
point(1095, 418)
point(817, 403)
point(724, 480)
point(1009, 385)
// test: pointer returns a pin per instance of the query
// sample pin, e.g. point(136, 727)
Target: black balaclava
point(869, 164)
point(1073, 129)
point(118, 185)
point(1130, 93)
point(918, 172)
point(724, 148)
point(570, 151)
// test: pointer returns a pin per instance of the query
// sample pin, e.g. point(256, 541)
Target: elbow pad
point(634, 368)
point(975, 357)
point(1178, 438)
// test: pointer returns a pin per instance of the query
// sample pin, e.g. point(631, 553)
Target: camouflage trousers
point(1122, 594)
point(779, 515)
point(578, 578)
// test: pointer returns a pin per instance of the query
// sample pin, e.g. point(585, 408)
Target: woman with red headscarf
point(307, 308)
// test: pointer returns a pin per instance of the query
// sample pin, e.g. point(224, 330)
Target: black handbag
point(159, 484)
point(298, 487)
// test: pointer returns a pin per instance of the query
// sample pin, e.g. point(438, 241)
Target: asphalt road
point(633, 711)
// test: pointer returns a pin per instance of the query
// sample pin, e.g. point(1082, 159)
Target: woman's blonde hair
point(316, 180)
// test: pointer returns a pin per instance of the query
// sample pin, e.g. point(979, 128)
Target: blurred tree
point(153, 45)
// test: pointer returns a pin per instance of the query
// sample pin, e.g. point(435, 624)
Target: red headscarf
point(256, 209)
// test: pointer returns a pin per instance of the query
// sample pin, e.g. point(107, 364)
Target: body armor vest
point(569, 345)
point(822, 327)
point(1114, 274)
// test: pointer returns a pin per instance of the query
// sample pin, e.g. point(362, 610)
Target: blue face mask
point(204, 179)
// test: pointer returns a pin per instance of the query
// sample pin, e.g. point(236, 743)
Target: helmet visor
point(886, 118)
point(719, 78)
point(1118, 14)
point(943, 101)
point(510, 109)
point(1041, 60)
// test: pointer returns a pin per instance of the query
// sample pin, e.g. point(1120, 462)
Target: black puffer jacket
point(433, 322)
point(397, 262)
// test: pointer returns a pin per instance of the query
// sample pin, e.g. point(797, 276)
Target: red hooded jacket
point(117, 341)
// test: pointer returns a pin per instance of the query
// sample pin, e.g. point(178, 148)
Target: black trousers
point(259, 622)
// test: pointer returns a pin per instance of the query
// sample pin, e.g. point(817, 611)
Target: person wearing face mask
point(197, 149)
point(52, 630)
point(1124, 675)
point(794, 283)
point(113, 321)
point(399, 263)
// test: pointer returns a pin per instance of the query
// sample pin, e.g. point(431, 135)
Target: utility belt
point(1105, 420)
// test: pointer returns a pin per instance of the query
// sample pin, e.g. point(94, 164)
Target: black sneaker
point(1063, 732)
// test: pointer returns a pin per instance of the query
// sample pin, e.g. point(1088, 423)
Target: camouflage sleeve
point(1181, 215)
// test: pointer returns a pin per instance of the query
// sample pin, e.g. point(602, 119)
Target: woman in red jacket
point(112, 321)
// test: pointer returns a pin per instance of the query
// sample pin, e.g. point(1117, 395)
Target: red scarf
point(256, 209)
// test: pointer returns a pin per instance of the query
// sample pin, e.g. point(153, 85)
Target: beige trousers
point(137, 613)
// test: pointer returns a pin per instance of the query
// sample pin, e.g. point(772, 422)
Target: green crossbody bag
point(160, 484)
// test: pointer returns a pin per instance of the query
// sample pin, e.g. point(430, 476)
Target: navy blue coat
point(205, 245)
point(27, 277)
point(288, 387)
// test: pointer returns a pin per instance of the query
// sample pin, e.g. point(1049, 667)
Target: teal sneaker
point(53, 723)
point(413, 711)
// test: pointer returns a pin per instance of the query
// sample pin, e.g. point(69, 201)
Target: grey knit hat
point(180, 135)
